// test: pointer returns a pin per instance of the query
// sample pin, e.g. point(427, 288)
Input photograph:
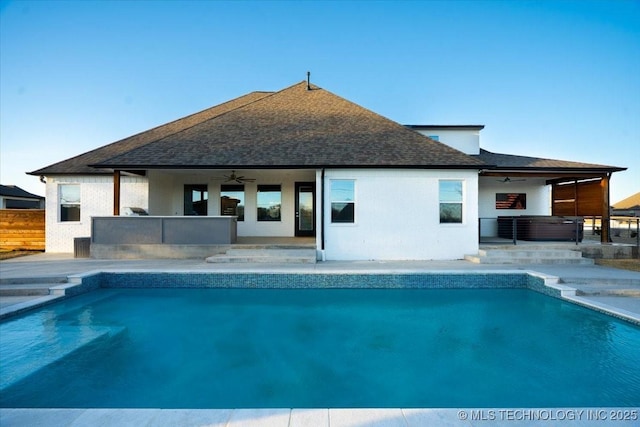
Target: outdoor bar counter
point(160, 236)
point(542, 228)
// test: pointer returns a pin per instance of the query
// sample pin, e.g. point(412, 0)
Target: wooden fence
point(22, 229)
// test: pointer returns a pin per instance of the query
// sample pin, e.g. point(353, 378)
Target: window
point(450, 202)
point(511, 200)
point(269, 202)
point(69, 202)
point(342, 201)
point(196, 198)
point(232, 201)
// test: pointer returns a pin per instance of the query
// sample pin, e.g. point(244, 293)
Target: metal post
point(515, 231)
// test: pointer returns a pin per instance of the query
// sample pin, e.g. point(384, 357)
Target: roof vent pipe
point(308, 80)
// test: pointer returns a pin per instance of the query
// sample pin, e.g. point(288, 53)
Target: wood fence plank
point(22, 229)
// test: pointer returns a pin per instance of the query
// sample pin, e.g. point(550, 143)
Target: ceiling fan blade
point(508, 180)
point(235, 178)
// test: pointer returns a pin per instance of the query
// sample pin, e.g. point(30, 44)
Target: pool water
point(253, 348)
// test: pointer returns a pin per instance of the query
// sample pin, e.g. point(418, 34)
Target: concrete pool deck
point(604, 288)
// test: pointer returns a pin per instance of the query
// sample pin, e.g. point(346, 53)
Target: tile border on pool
point(315, 281)
point(486, 279)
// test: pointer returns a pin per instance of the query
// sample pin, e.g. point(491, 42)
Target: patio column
point(116, 192)
point(604, 184)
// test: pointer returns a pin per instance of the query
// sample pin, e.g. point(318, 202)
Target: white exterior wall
point(538, 200)
point(397, 211)
point(96, 199)
point(397, 217)
point(467, 141)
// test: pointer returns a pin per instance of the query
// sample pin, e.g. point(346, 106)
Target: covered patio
point(553, 196)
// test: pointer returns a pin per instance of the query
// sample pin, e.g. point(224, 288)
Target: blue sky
point(556, 79)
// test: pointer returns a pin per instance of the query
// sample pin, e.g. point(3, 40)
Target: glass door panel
point(305, 209)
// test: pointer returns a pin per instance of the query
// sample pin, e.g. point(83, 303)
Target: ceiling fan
point(507, 180)
point(236, 178)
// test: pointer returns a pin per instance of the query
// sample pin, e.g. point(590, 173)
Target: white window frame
point(461, 202)
point(332, 201)
point(70, 203)
point(258, 206)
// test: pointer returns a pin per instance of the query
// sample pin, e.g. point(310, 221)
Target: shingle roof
point(80, 164)
point(14, 191)
point(523, 163)
point(631, 202)
point(292, 128)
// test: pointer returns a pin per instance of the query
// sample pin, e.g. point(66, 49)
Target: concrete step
point(526, 260)
point(225, 259)
point(265, 255)
point(30, 289)
point(593, 286)
point(614, 291)
point(276, 252)
point(28, 280)
point(602, 281)
point(273, 246)
point(528, 255)
point(523, 253)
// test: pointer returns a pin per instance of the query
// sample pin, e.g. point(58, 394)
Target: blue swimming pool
point(241, 348)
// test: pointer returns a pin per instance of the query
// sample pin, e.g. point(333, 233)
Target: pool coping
point(333, 417)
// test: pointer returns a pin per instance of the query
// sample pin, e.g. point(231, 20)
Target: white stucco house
point(305, 162)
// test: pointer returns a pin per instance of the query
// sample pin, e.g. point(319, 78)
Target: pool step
point(24, 352)
point(528, 256)
point(25, 286)
point(26, 289)
point(266, 255)
point(594, 286)
point(20, 294)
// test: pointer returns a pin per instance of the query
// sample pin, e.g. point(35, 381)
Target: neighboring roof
point(510, 162)
point(14, 191)
point(293, 128)
point(80, 164)
point(631, 202)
